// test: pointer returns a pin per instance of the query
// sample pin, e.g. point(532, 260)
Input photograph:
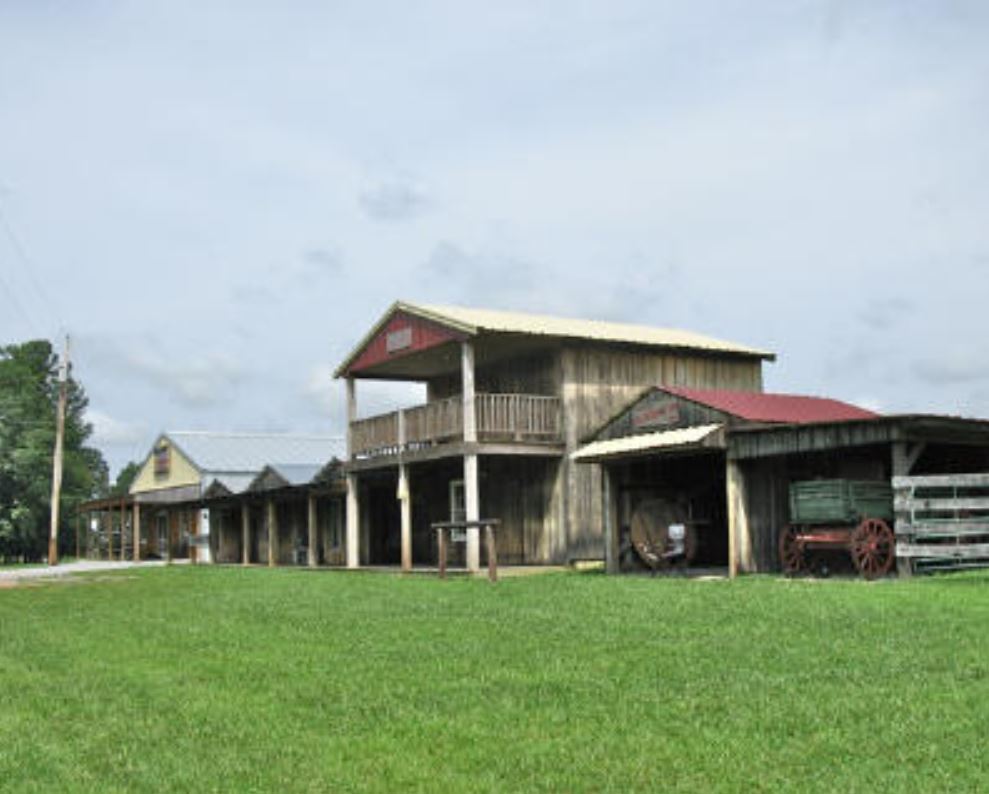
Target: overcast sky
point(218, 199)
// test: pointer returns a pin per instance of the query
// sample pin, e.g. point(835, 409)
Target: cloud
point(966, 365)
point(882, 314)
point(194, 380)
point(394, 201)
point(108, 430)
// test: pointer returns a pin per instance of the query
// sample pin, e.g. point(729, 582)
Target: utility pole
point(63, 388)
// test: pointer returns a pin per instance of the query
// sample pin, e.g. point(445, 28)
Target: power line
point(29, 268)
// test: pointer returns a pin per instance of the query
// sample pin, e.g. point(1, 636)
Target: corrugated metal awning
point(664, 441)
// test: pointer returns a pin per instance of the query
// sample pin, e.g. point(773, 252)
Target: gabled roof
point(280, 475)
point(473, 322)
point(232, 453)
point(774, 408)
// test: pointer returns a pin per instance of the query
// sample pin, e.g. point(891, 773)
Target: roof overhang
point(699, 437)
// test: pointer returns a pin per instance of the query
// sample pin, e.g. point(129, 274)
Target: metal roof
point(644, 442)
point(763, 407)
point(248, 453)
point(476, 321)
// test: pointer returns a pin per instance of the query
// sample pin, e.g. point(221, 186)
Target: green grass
point(221, 679)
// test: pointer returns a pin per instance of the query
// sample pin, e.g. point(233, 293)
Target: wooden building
point(723, 461)
point(509, 398)
point(228, 497)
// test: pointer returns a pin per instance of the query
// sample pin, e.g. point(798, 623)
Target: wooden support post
point(123, 528)
point(272, 514)
point(441, 549)
point(404, 499)
point(610, 530)
point(171, 534)
point(489, 537)
point(353, 505)
point(313, 550)
point(106, 519)
point(904, 458)
point(136, 532)
point(245, 532)
point(194, 531)
point(471, 484)
point(739, 541)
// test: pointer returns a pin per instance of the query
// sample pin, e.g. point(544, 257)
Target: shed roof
point(647, 442)
point(763, 407)
point(250, 452)
point(473, 322)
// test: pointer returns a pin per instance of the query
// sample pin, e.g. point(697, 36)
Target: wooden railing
point(377, 435)
point(518, 417)
point(442, 420)
point(500, 417)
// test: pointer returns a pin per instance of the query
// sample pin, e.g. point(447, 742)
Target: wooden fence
point(942, 522)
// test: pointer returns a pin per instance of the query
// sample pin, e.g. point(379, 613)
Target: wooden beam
point(312, 551)
point(272, 515)
point(739, 540)
point(351, 415)
point(353, 505)
point(471, 484)
point(136, 532)
point(610, 533)
point(245, 532)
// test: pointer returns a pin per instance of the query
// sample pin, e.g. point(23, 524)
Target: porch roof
point(698, 436)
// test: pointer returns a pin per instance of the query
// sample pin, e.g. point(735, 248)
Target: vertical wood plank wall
point(596, 383)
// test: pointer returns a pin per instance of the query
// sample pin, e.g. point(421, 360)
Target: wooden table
point(487, 524)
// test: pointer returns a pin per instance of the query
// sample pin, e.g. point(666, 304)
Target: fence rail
point(942, 522)
point(500, 417)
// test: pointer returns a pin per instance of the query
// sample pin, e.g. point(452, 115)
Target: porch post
point(272, 533)
point(404, 497)
point(311, 525)
point(471, 495)
point(904, 458)
point(136, 532)
point(353, 547)
point(608, 509)
point(245, 532)
point(106, 518)
point(123, 526)
point(353, 502)
point(739, 542)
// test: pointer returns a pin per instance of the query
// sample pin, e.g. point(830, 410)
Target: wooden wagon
point(850, 515)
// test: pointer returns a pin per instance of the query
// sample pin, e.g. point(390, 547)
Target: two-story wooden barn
point(509, 398)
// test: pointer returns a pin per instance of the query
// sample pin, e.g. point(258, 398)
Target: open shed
point(720, 464)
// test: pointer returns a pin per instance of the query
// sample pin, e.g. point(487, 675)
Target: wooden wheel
point(791, 551)
point(873, 548)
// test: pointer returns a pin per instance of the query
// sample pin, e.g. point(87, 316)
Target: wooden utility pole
point(63, 387)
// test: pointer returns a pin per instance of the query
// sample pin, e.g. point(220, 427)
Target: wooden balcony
point(504, 418)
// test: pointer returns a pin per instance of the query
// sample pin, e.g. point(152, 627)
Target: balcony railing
point(521, 418)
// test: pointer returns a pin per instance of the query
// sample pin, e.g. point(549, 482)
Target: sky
point(217, 200)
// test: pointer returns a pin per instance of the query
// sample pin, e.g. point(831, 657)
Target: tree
point(28, 396)
point(124, 480)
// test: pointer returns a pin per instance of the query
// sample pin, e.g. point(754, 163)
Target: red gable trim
point(401, 336)
point(762, 407)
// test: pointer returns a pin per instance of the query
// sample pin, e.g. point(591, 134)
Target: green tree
point(127, 475)
point(28, 397)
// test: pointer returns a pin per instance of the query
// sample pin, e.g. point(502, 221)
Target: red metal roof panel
point(763, 407)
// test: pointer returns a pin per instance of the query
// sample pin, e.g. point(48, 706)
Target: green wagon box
point(840, 501)
point(840, 514)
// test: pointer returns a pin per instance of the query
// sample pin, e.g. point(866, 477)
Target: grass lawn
point(222, 679)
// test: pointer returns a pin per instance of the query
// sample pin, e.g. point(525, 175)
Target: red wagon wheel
point(873, 548)
point(791, 551)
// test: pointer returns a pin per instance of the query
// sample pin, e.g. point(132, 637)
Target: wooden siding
point(597, 382)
